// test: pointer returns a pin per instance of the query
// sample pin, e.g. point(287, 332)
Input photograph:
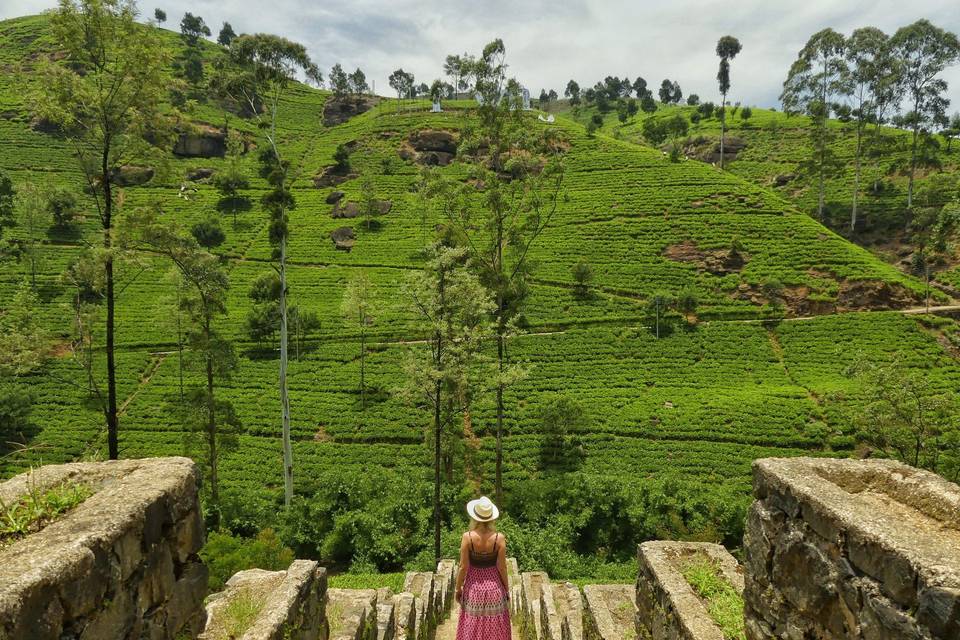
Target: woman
point(482, 580)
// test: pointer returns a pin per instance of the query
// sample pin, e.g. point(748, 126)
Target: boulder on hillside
point(430, 147)
point(335, 197)
point(132, 175)
point(339, 110)
point(782, 179)
point(343, 238)
point(352, 209)
point(330, 177)
point(204, 141)
point(201, 173)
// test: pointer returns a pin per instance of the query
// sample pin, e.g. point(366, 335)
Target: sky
point(548, 43)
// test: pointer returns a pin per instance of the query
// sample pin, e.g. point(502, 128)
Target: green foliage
point(392, 581)
point(723, 603)
point(38, 508)
point(208, 233)
point(342, 159)
point(582, 274)
point(903, 418)
point(23, 340)
point(562, 419)
point(225, 554)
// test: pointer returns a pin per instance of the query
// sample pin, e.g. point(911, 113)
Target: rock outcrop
point(430, 147)
point(203, 141)
point(851, 549)
point(668, 608)
point(122, 564)
point(292, 604)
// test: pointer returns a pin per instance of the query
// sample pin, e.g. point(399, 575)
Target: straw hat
point(483, 510)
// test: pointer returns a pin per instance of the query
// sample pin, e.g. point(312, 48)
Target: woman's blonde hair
point(477, 525)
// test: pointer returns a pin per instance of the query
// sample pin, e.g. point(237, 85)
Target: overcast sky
point(550, 42)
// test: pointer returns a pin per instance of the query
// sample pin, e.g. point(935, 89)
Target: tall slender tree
point(727, 49)
point(257, 70)
point(867, 55)
point(924, 51)
point(817, 76)
point(357, 308)
point(522, 176)
point(204, 300)
point(452, 308)
point(105, 95)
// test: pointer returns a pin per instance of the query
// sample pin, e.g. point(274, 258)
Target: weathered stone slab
point(851, 548)
point(386, 625)
point(569, 604)
point(294, 603)
point(611, 612)
point(668, 608)
point(352, 614)
point(405, 616)
point(531, 622)
point(123, 562)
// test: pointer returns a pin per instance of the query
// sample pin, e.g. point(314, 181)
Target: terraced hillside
point(691, 409)
point(769, 147)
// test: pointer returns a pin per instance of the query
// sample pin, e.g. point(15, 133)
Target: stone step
point(611, 611)
point(666, 603)
point(352, 614)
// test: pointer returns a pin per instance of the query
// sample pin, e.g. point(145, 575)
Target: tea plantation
point(682, 415)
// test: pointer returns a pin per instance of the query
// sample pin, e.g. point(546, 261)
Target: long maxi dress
point(485, 605)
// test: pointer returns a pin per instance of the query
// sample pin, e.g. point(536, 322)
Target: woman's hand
point(459, 595)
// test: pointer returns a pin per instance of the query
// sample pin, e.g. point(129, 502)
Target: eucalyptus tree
point(868, 59)
point(226, 35)
point(357, 308)
point(923, 51)
point(257, 70)
point(358, 84)
point(204, 300)
point(452, 309)
point(818, 75)
point(105, 95)
point(458, 69)
point(401, 82)
point(572, 92)
point(339, 81)
point(521, 172)
point(727, 49)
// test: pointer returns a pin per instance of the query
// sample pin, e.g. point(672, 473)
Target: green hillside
point(672, 423)
point(770, 147)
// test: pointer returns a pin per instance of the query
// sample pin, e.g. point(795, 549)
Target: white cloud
point(550, 42)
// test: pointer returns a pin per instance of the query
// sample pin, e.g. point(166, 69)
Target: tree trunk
point(179, 343)
point(723, 125)
point(363, 353)
point(212, 431)
point(436, 467)
point(284, 398)
point(856, 178)
point(113, 445)
point(498, 482)
point(913, 164)
point(823, 149)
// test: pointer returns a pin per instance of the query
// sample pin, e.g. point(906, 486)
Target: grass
point(394, 581)
point(37, 509)
point(239, 614)
point(723, 603)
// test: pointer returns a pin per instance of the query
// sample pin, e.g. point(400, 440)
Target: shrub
point(208, 233)
point(342, 159)
point(226, 554)
point(62, 205)
point(583, 277)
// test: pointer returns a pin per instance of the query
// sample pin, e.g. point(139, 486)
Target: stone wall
point(668, 608)
point(851, 549)
point(292, 604)
point(122, 564)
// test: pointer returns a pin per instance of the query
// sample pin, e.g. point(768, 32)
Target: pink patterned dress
point(485, 605)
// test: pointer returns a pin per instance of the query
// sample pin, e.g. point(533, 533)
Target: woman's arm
point(502, 562)
point(464, 563)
